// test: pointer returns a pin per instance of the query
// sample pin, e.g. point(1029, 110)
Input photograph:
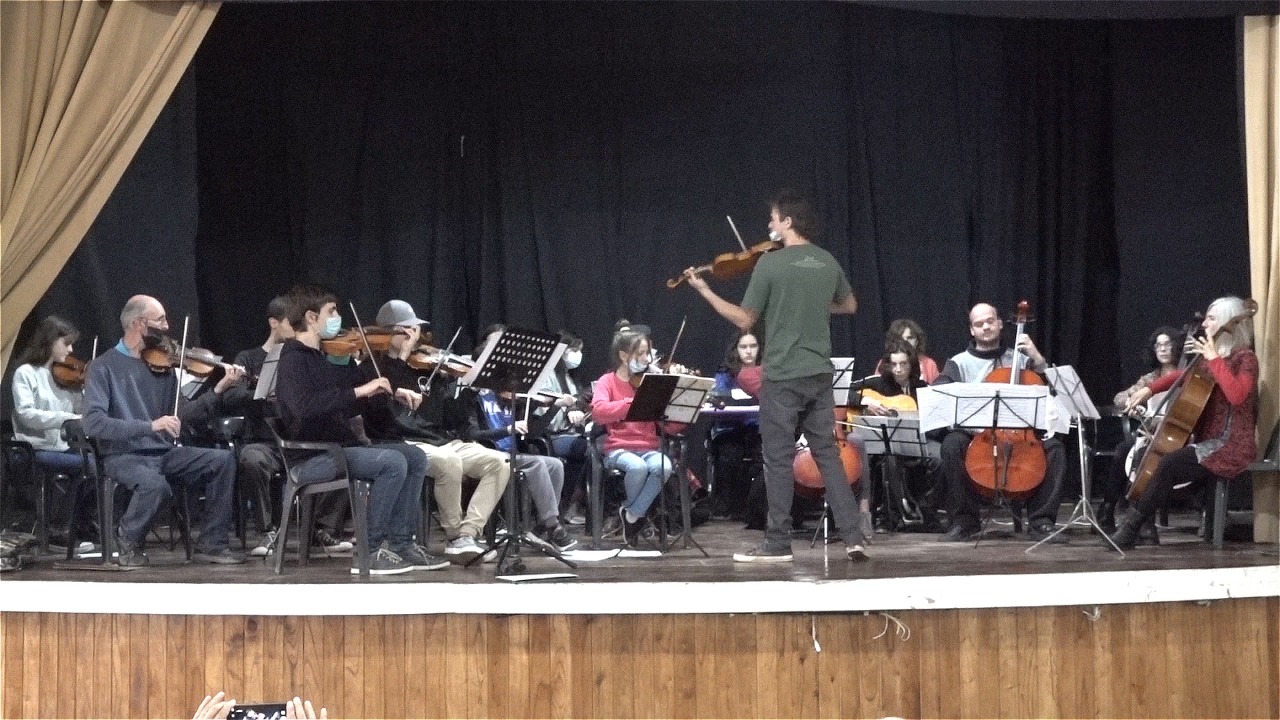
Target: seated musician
point(129, 411)
point(984, 354)
point(908, 330)
point(40, 404)
point(1223, 442)
point(318, 400)
point(1161, 355)
point(260, 464)
point(631, 447)
point(543, 474)
point(565, 423)
point(441, 425)
point(734, 440)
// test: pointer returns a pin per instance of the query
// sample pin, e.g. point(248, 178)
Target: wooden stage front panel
point(1216, 659)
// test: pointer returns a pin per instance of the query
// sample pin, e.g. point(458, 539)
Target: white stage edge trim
point(588, 598)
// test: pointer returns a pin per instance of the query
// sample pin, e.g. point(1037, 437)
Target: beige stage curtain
point(81, 83)
point(1261, 73)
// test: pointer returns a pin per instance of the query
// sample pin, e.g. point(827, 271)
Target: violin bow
point(671, 359)
point(736, 233)
point(363, 337)
point(177, 372)
point(444, 355)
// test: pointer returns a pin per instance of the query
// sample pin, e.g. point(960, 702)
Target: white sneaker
point(462, 550)
point(265, 545)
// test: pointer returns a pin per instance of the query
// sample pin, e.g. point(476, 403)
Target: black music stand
point(1074, 399)
point(516, 361)
point(893, 437)
point(842, 380)
point(985, 406)
point(672, 398)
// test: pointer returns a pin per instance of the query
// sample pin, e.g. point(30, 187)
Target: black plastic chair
point(595, 487)
point(303, 494)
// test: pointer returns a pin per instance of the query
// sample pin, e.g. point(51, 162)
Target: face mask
point(572, 358)
point(774, 235)
point(331, 327)
point(637, 366)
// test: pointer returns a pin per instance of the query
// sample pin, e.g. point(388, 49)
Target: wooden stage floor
point(907, 571)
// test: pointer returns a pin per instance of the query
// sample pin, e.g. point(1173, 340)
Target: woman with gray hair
point(1223, 443)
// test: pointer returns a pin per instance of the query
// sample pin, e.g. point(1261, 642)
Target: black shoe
point(1107, 516)
point(330, 545)
point(960, 532)
point(764, 553)
point(383, 562)
point(417, 557)
point(632, 531)
point(1147, 533)
point(559, 537)
point(1044, 530)
point(218, 557)
point(130, 555)
point(1126, 534)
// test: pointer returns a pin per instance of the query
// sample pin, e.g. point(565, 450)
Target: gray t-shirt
point(792, 289)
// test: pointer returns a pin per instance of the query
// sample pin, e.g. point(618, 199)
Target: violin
point(349, 341)
point(1008, 461)
point(70, 373)
point(164, 354)
point(731, 264)
point(808, 477)
point(426, 359)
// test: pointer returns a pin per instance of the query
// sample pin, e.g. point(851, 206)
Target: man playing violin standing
point(984, 354)
point(795, 290)
point(128, 410)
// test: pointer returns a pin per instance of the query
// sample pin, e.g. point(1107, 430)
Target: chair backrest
point(341, 473)
point(228, 430)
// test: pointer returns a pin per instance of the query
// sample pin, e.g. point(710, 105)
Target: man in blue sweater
point(128, 410)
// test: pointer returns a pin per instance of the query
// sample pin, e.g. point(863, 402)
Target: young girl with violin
point(47, 393)
point(1223, 442)
point(631, 447)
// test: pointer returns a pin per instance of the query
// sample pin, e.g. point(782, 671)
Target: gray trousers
point(803, 405)
point(544, 477)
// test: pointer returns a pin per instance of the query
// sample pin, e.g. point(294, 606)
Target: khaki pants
point(458, 459)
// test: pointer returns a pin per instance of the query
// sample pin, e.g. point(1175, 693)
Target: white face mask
point(572, 358)
point(774, 235)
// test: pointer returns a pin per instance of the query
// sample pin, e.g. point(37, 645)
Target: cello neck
point(1015, 372)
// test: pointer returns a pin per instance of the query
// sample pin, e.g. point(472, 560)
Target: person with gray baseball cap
point(399, 312)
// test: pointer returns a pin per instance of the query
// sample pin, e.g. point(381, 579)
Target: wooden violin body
point(808, 478)
point(731, 265)
point(70, 373)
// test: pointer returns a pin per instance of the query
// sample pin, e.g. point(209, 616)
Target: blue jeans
point(149, 475)
point(396, 471)
point(802, 405)
point(65, 461)
point(644, 475)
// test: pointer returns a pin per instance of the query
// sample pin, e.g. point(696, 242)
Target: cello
point(1004, 461)
point(807, 476)
point(1188, 399)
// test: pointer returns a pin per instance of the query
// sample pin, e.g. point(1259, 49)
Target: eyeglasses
point(1164, 346)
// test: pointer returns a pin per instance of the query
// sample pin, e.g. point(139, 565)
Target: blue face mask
point(637, 366)
point(331, 327)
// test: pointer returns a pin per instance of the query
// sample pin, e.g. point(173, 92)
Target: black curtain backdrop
point(551, 164)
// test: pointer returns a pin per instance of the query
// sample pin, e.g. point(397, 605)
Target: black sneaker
point(130, 555)
point(218, 557)
point(383, 562)
point(324, 541)
point(1042, 531)
point(558, 536)
point(960, 532)
point(764, 553)
point(419, 559)
point(631, 531)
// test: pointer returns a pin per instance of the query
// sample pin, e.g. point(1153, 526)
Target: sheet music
point(686, 401)
point(974, 405)
point(842, 379)
point(903, 432)
point(267, 376)
point(1072, 395)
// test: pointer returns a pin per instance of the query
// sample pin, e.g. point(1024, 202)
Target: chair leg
point(1219, 512)
point(360, 518)
point(106, 491)
point(596, 501)
point(290, 496)
point(306, 527)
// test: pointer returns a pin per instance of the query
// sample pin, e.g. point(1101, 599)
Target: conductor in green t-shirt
point(795, 289)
